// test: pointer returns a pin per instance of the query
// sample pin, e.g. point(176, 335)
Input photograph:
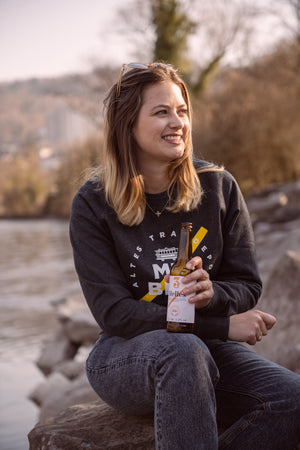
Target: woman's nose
point(176, 121)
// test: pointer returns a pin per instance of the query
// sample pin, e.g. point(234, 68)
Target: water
point(36, 267)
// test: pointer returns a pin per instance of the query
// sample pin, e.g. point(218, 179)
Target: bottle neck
point(185, 246)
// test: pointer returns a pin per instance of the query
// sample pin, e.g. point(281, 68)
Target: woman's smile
point(173, 138)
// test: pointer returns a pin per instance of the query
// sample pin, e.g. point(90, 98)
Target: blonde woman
point(124, 230)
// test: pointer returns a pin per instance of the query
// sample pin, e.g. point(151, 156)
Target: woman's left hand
point(202, 291)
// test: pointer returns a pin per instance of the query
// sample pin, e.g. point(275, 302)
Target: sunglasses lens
point(135, 66)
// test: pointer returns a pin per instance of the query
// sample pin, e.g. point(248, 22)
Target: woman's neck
point(155, 180)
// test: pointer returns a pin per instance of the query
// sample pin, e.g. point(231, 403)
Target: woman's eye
point(161, 111)
point(183, 112)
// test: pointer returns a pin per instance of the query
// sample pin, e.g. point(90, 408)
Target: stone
point(55, 382)
point(63, 396)
point(281, 298)
point(275, 204)
point(71, 369)
point(261, 204)
point(55, 350)
point(76, 319)
point(81, 327)
point(93, 426)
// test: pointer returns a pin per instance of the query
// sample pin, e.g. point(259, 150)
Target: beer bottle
point(181, 313)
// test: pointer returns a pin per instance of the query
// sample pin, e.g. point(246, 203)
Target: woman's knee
point(187, 354)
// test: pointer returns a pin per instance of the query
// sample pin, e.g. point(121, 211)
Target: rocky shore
point(72, 416)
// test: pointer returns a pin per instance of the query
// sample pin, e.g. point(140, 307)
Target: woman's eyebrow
point(167, 106)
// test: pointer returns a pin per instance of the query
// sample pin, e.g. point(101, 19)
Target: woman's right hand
point(250, 326)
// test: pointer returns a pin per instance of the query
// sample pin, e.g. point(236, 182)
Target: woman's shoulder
point(91, 187)
point(201, 164)
point(214, 170)
point(215, 178)
point(90, 193)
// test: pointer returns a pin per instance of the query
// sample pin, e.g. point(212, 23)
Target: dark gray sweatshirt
point(121, 269)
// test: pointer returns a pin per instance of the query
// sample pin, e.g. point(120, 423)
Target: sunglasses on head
point(137, 66)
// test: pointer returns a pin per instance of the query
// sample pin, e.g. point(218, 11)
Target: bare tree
point(194, 36)
point(289, 19)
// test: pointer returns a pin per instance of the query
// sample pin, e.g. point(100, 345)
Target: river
point(36, 267)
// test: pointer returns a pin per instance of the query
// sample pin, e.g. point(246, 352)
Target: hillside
point(30, 110)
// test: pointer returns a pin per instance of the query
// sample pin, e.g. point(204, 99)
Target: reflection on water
point(36, 262)
point(36, 267)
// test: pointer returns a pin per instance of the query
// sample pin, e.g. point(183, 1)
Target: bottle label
point(179, 309)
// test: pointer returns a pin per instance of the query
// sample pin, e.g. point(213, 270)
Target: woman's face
point(162, 125)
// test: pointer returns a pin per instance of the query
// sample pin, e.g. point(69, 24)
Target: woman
point(124, 230)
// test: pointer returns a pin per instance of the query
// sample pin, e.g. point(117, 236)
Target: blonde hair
point(119, 175)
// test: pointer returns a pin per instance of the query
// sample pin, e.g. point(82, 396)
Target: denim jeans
point(192, 386)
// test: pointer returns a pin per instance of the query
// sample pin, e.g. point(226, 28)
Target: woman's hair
point(122, 182)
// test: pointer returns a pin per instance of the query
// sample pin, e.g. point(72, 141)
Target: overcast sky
point(50, 37)
point(54, 37)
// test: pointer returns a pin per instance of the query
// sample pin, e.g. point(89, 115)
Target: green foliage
point(71, 173)
point(173, 26)
point(24, 186)
point(172, 29)
point(206, 75)
point(26, 189)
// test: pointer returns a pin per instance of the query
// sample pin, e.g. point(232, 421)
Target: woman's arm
point(236, 284)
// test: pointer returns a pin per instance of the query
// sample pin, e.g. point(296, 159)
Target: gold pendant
point(158, 213)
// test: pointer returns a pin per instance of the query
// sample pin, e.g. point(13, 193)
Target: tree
point(172, 28)
point(168, 26)
point(292, 22)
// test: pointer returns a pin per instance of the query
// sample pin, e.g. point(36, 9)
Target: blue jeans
point(192, 386)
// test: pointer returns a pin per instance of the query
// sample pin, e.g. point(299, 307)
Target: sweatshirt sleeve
point(105, 287)
point(236, 282)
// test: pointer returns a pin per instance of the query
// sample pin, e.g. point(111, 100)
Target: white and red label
point(179, 308)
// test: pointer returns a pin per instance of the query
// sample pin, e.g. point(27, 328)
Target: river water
point(36, 267)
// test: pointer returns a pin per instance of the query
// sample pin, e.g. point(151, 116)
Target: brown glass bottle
point(181, 313)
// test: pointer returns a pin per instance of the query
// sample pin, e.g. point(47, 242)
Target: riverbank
point(36, 267)
point(276, 218)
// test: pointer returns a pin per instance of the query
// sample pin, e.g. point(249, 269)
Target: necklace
point(158, 213)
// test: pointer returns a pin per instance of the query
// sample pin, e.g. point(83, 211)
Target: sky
point(41, 38)
point(53, 37)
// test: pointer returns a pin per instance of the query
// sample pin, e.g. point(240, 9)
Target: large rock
point(58, 393)
point(55, 350)
point(56, 382)
point(276, 204)
point(93, 426)
point(71, 369)
point(281, 298)
point(78, 323)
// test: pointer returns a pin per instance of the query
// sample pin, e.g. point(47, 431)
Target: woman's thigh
point(250, 382)
point(125, 372)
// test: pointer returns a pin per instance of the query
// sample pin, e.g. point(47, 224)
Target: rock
point(272, 242)
point(70, 369)
point(277, 203)
point(281, 298)
point(93, 426)
point(55, 350)
point(267, 203)
point(81, 327)
point(57, 393)
point(63, 396)
point(56, 382)
point(76, 319)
